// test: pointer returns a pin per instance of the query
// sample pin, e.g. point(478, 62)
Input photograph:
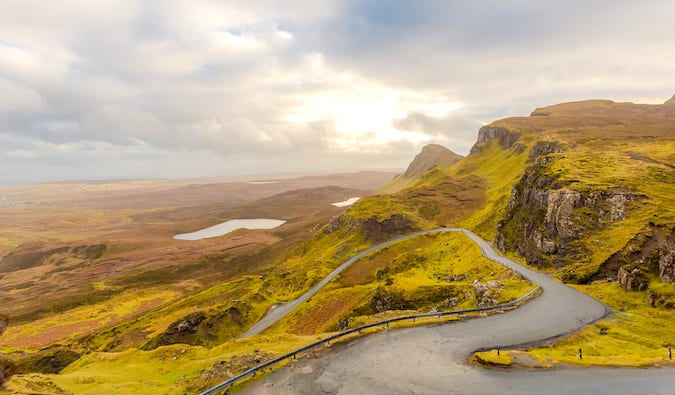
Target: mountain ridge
point(431, 156)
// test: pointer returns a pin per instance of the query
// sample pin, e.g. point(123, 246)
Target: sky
point(175, 89)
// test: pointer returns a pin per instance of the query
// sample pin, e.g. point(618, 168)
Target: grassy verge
point(634, 334)
point(429, 273)
point(421, 269)
point(493, 359)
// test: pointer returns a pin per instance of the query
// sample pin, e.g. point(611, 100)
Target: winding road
point(278, 311)
point(433, 359)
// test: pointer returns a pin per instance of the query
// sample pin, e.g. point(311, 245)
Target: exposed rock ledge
point(506, 137)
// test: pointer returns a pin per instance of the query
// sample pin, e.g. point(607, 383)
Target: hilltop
point(583, 190)
point(431, 156)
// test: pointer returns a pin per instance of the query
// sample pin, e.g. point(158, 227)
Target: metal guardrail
point(293, 354)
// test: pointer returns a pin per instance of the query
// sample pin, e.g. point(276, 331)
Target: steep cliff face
point(505, 137)
point(545, 220)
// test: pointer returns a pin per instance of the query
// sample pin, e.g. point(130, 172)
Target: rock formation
point(486, 294)
point(545, 220)
point(631, 278)
point(505, 137)
point(667, 260)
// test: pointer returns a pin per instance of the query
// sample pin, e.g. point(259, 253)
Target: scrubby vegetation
point(432, 273)
point(595, 204)
point(583, 190)
point(635, 334)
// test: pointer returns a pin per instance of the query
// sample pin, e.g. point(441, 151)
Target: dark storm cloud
point(125, 88)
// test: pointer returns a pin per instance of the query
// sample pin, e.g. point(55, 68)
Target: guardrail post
point(413, 320)
point(387, 325)
point(580, 353)
point(497, 350)
point(328, 342)
point(254, 372)
point(294, 356)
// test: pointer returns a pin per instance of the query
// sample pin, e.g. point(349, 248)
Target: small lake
point(230, 226)
point(347, 202)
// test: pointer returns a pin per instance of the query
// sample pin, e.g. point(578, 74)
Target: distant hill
point(584, 191)
point(432, 155)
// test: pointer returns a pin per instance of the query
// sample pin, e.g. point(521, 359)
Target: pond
point(230, 226)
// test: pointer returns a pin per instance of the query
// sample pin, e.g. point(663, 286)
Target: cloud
point(17, 97)
point(218, 88)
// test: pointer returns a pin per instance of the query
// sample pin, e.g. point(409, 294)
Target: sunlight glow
point(362, 111)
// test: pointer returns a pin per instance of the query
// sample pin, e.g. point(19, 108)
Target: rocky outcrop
point(388, 298)
point(544, 221)
point(657, 300)
point(181, 331)
point(631, 278)
point(667, 260)
point(225, 369)
point(650, 252)
point(540, 152)
point(487, 294)
point(377, 231)
point(334, 224)
point(505, 137)
point(387, 229)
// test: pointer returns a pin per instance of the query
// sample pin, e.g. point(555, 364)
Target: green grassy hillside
point(432, 155)
point(593, 202)
point(584, 190)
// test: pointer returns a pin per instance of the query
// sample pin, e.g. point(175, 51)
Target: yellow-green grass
point(502, 169)
point(156, 371)
point(163, 370)
point(156, 322)
point(76, 322)
point(285, 281)
point(603, 244)
point(490, 358)
point(601, 165)
point(637, 334)
point(418, 269)
point(380, 207)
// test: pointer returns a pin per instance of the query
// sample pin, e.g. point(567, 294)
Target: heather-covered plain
point(583, 191)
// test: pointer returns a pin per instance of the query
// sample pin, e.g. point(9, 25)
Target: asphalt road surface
point(434, 359)
point(278, 311)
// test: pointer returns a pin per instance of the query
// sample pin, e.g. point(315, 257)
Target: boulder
point(631, 278)
point(486, 294)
